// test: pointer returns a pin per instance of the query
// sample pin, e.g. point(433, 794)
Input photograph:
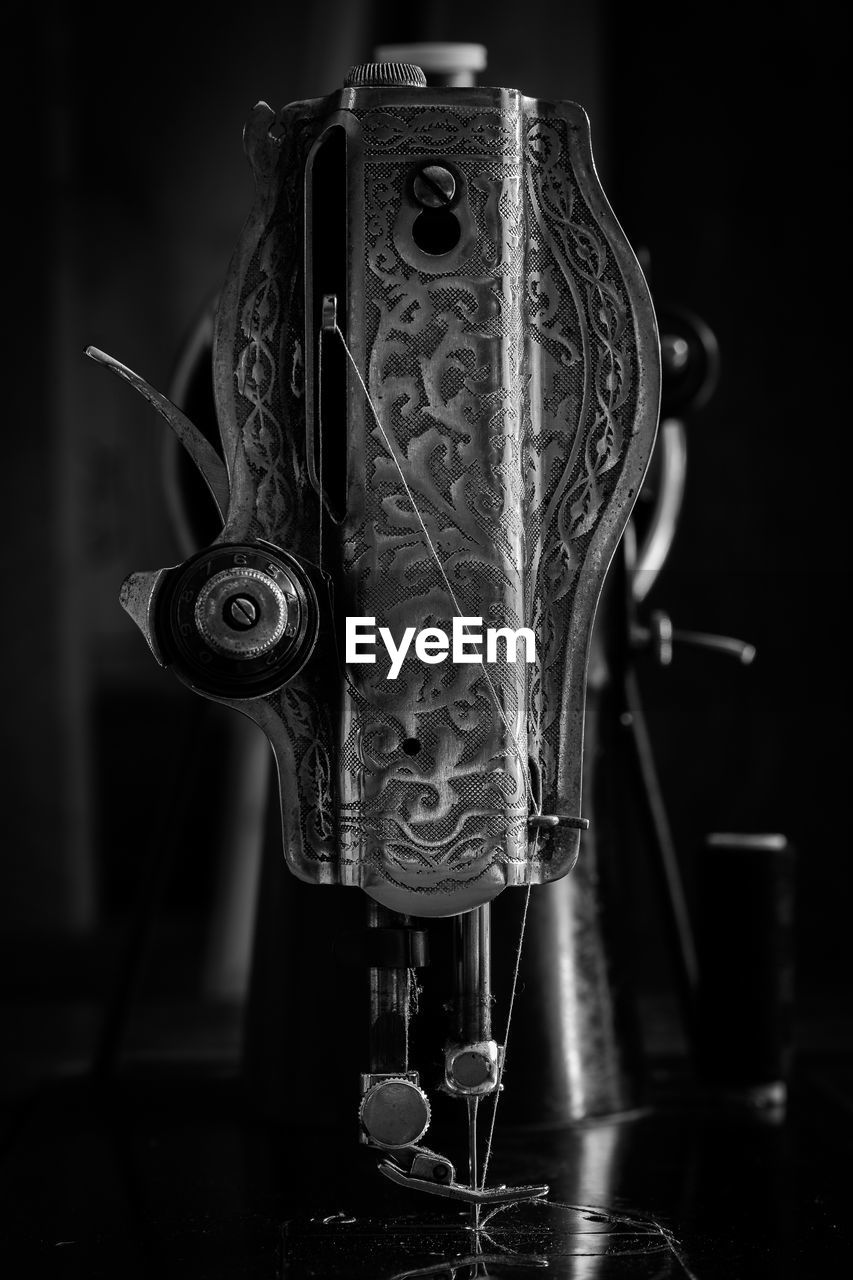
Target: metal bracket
point(428, 1171)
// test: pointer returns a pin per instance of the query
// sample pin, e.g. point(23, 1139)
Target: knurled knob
point(243, 612)
point(384, 74)
point(238, 620)
point(395, 1113)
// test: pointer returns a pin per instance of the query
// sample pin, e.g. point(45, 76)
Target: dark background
point(718, 138)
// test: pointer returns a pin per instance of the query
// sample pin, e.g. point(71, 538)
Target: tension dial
point(238, 621)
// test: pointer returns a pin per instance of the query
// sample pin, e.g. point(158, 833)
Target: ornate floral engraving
point(505, 373)
point(268, 362)
point(443, 361)
point(583, 344)
point(257, 383)
point(430, 131)
point(269, 374)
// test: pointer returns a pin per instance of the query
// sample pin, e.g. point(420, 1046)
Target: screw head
point(434, 187)
point(241, 612)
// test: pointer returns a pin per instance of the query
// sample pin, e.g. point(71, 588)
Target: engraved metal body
point(516, 373)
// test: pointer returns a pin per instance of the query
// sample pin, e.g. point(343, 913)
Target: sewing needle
point(473, 1103)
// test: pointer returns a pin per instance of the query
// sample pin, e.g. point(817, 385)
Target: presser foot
point(424, 1170)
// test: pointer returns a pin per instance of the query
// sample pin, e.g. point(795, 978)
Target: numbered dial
point(239, 621)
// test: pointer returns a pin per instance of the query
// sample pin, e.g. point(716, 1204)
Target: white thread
point(502, 1067)
point(521, 757)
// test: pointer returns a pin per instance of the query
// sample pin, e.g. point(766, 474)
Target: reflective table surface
point(169, 1174)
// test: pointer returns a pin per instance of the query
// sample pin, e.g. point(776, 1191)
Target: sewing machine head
point(436, 374)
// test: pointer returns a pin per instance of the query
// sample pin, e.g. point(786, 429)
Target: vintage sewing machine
point(436, 374)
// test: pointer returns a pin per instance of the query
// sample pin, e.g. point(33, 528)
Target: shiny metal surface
point(472, 943)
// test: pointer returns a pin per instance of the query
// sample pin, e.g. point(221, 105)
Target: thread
point(502, 1067)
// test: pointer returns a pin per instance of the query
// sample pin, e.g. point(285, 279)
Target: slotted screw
point(434, 187)
point(243, 612)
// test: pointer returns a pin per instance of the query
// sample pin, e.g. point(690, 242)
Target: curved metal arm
point(203, 454)
point(651, 556)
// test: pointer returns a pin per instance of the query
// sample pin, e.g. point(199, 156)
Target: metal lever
point(428, 1171)
point(202, 452)
point(661, 637)
point(550, 821)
